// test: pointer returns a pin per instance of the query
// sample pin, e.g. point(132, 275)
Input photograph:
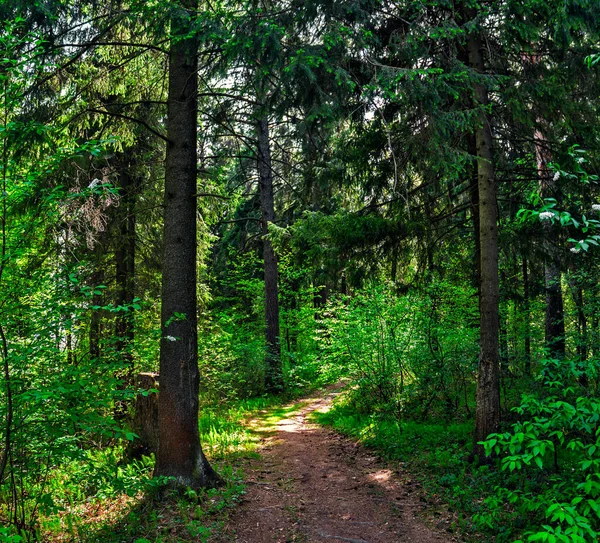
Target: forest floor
point(310, 485)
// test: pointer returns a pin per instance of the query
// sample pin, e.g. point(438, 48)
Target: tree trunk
point(527, 319)
point(554, 321)
point(273, 375)
point(293, 325)
point(97, 300)
point(581, 347)
point(179, 453)
point(474, 193)
point(145, 419)
point(488, 392)
point(320, 296)
point(125, 271)
point(394, 270)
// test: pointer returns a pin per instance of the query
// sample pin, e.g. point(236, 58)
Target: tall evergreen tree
point(488, 386)
point(180, 453)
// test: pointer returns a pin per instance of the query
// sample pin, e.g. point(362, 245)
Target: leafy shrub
point(231, 359)
point(553, 454)
point(411, 355)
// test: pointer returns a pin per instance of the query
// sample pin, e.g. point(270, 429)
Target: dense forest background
point(400, 194)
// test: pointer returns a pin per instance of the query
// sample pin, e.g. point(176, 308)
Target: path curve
point(311, 485)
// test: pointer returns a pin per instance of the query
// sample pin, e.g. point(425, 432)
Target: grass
point(97, 500)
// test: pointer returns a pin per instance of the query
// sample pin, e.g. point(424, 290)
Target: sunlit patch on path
point(311, 485)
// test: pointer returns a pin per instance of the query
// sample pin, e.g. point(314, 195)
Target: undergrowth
point(541, 483)
point(101, 498)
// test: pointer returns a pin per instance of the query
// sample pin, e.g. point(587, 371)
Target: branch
point(211, 195)
point(246, 219)
point(134, 119)
point(85, 47)
point(117, 44)
point(213, 94)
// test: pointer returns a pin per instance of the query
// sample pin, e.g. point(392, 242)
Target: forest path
point(310, 485)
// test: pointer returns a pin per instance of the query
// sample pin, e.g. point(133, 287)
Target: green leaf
point(538, 461)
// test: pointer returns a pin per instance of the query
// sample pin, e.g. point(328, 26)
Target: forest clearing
point(299, 271)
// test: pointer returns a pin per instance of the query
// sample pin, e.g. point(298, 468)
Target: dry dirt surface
point(311, 485)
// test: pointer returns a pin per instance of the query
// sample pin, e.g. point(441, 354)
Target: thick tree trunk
point(488, 391)
point(273, 375)
point(180, 454)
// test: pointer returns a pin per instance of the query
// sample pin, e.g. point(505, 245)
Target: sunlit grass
point(102, 498)
point(239, 429)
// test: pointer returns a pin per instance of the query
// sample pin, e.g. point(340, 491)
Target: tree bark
point(554, 321)
point(97, 300)
point(125, 270)
point(474, 193)
point(575, 285)
point(273, 374)
point(179, 453)
point(145, 419)
point(488, 391)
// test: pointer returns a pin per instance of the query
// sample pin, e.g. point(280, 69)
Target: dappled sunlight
point(381, 476)
point(91, 520)
point(290, 425)
point(333, 487)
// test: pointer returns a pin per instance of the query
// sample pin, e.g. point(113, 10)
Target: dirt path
point(313, 486)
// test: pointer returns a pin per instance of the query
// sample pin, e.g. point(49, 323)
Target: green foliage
point(373, 163)
point(231, 358)
point(554, 452)
point(230, 342)
point(7, 537)
point(56, 401)
point(408, 356)
point(570, 213)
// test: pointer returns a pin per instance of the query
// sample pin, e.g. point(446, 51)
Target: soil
point(310, 485)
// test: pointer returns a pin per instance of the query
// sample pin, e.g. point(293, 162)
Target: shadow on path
point(311, 485)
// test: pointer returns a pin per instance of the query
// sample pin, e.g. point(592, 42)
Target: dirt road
point(313, 486)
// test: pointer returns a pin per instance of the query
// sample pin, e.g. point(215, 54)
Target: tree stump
point(145, 419)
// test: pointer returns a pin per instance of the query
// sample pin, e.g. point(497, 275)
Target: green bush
point(553, 456)
point(407, 356)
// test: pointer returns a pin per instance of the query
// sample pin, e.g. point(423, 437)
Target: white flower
point(581, 160)
point(595, 207)
point(170, 338)
point(546, 215)
point(556, 176)
point(575, 250)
